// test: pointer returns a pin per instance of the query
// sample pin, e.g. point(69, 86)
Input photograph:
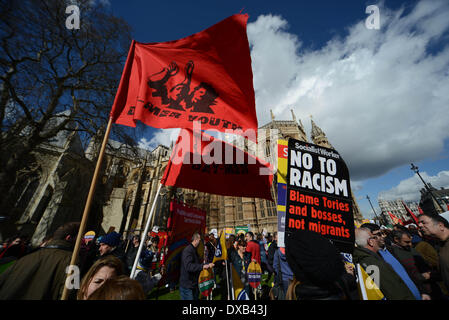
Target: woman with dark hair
point(238, 261)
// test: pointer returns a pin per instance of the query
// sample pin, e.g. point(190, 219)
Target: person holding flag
point(191, 267)
point(240, 267)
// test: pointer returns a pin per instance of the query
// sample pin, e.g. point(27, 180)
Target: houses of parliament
point(130, 177)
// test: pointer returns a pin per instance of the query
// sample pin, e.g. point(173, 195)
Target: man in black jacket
point(272, 247)
point(191, 267)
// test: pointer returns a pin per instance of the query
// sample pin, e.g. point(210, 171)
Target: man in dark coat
point(41, 275)
point(438, 227)
point(132, 253)
point(401, 248)
point(272, 247)
point(366, 254)
point(191, 267)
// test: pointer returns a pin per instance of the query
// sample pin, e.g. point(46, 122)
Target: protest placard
point(319, 194)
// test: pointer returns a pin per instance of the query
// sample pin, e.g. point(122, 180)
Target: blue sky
point(381, 96)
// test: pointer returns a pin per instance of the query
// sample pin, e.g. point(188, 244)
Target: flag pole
point(227, 278)
point(232, 284)
point(88, 205)
point(147, 226)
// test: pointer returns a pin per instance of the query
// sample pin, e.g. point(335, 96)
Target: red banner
point(207, 164)
point(182, 224)
point(415, 219)
point(185, 221)
point(395, 219)
point(205, 77)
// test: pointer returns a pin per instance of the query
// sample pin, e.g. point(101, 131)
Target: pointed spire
point(272, 115)
point(318, 136)
point(301, 127)
point(316, 131)
point(293, 115)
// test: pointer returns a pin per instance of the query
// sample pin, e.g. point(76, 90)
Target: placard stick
point(87, 206)
point(227, 278)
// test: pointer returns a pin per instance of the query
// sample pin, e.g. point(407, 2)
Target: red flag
point(207, 164)
point(420, 210)
point(205, 77)
point(410, 213)
point(395, 219)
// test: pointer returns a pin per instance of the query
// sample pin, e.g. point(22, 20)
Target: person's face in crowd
point(154, 244)
point(104, 248)
point(373, 241)
point(99, 278)
point(241, 249)
point(427, 226)
point(247, 237)
point(380, 237)
point(405, 242)
point(196, 242)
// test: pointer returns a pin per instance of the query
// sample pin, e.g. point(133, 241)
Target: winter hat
point(313, 258)
point(111, 239)
point(145, 259)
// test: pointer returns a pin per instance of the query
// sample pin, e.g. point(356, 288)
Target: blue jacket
point(280, 264)
point(263, 254)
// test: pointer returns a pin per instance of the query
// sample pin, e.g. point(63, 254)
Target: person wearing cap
point(110, 245)
point(438, 227)
point(144, 274)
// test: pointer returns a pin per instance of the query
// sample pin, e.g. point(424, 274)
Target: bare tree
point(49, 72)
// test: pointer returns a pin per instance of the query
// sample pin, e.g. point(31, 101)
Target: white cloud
point(164, 137)
point(408, 189)
point(379, 95)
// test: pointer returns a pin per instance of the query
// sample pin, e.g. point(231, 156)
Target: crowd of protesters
point(104, 263)
point(412, 263)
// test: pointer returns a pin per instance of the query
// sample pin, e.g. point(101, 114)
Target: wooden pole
point(88, 205)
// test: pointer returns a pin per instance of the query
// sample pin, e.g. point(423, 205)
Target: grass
point(163, 293)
